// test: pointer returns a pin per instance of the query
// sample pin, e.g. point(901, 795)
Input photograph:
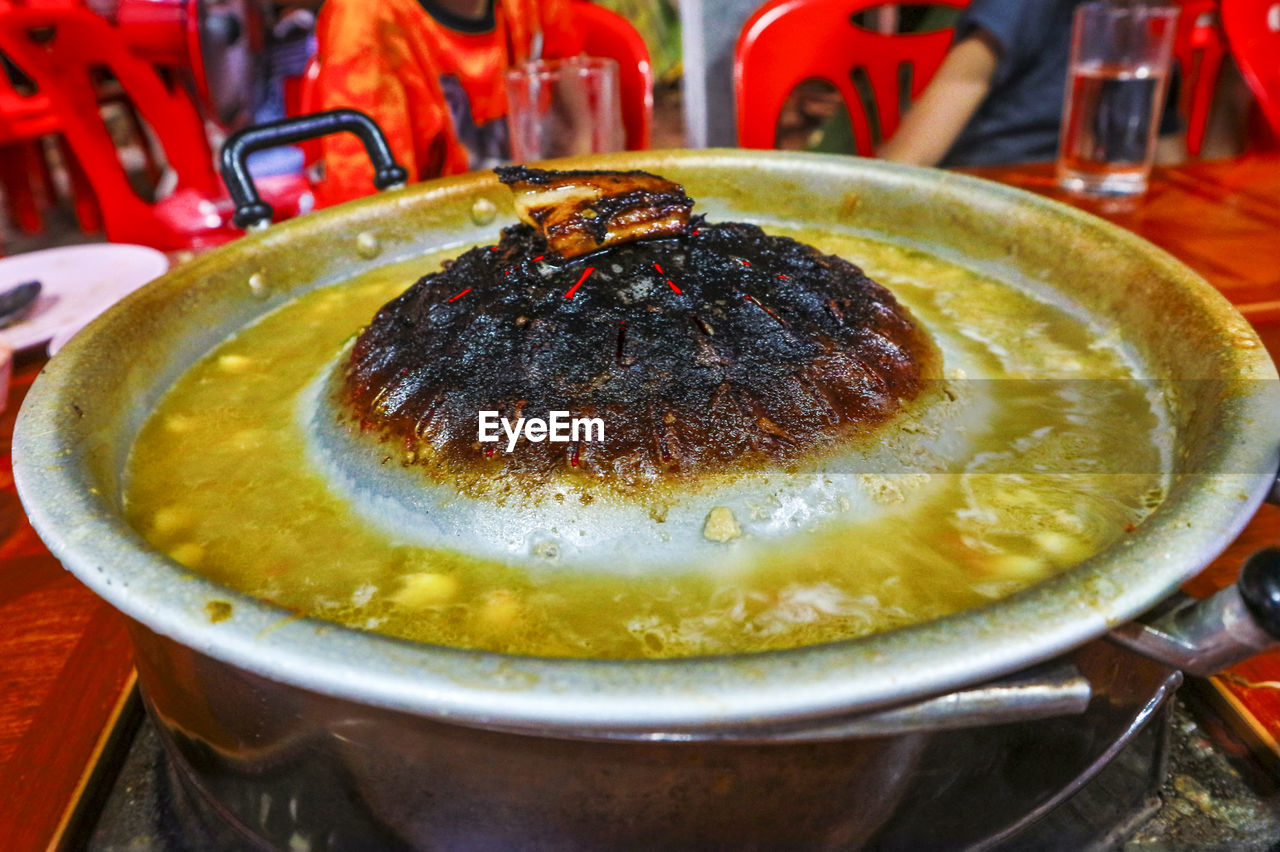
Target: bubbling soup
point(1038, 448)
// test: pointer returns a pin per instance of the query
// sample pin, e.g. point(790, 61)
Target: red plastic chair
point(1253, 32)
point(1199, 47)
point(24, 120)
point(60, 48)
point(611, 36)
point(789, 41)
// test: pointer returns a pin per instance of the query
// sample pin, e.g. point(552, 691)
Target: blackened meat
point(717, 350)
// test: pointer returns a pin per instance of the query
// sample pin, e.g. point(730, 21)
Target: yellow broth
point(219, 480)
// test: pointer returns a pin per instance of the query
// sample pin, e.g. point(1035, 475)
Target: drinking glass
point(1116, 85)
point(564, 107)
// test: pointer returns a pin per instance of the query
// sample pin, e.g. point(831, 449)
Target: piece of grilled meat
point(713, 349)
point(580, 211)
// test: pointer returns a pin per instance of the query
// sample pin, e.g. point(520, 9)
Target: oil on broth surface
point(219, 480)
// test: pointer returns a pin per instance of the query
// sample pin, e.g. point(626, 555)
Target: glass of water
point(1116, 86)
point(560, 108)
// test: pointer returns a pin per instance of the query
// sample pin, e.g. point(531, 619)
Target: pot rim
point(576, 697)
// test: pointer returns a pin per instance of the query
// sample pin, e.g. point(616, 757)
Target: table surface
point(65, 664)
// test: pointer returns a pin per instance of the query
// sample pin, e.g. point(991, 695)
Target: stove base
point(1069, 783)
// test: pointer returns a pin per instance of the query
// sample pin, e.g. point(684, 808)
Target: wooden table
point(1221, 218)
point(65, 668)
point(65, 665)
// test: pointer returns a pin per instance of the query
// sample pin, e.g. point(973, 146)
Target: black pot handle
point(1259, 585)
point(1260, 580)
point(252, 213)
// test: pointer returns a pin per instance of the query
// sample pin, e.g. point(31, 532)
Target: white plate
point(77, 283)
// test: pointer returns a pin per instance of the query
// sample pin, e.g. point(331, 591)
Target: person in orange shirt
point(430, 72)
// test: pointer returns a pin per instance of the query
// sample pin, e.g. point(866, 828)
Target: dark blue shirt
point(1019, 119)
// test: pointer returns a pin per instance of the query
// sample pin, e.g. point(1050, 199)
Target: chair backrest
point(604, 33)
point(612, 36)
point(61, 49)
point(23, 116)
point(1199, 47)
point(1253, 33)
point(789, 41)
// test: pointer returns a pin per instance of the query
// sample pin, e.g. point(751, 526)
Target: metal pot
point(419, 745)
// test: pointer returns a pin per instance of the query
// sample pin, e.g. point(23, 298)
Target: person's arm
point(933, 122)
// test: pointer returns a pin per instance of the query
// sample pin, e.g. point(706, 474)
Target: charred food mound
point(703, 348)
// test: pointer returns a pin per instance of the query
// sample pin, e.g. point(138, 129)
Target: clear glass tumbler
point(1116, 84)
point(564, 107)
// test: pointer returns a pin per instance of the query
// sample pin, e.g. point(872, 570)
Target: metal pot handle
point(1203, 637)
point(254, 214)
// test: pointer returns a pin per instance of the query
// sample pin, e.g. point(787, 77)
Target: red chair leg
point(17, 163)
point(42, 176)
point(88, 213)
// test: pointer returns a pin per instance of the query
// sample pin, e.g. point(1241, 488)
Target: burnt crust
point(718, 350)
